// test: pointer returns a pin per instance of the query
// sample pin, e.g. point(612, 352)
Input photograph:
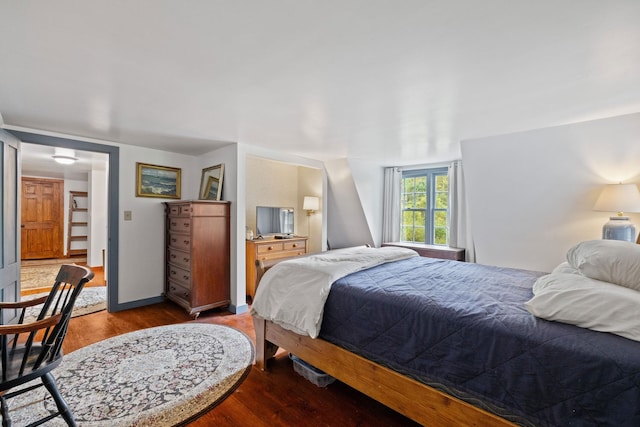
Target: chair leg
point(6, 421)
point(63, 408)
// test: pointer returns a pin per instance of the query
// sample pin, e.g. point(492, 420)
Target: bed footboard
point(411, 398)
point(265, 350)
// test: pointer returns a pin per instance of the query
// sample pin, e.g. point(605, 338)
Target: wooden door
point(42, 218)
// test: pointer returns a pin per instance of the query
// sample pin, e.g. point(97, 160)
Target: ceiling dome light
point(64, 156)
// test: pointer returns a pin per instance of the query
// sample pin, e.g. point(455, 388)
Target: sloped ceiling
point(398, 82)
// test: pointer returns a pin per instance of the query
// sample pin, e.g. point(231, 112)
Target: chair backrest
point(69, 283)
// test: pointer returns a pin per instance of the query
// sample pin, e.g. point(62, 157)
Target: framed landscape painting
point(157, 181)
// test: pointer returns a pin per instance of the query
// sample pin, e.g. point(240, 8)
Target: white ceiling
point(37, 160)
point(395, 81)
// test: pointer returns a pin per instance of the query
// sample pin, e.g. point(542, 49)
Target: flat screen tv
point(274, 221)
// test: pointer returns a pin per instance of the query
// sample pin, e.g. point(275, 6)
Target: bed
point(480, 357)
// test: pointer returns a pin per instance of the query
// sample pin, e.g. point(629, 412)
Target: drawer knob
point(269, 248)
point(185, 259)
point(186, 242)
point(186, 294)
point(295, 246)
point(185, 277)
point(186, 224)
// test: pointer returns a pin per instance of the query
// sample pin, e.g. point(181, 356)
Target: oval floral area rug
point(162, 376)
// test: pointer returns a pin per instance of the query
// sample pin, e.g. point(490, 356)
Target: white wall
point(141, 258)
point(98, 208)
point(310, 183)
point(368, 178)
point(346, 219)
point(232, 185)
point(531, 194)
point(274, 184)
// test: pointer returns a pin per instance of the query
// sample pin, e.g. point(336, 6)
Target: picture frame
point(211, 183)
point(158, 181)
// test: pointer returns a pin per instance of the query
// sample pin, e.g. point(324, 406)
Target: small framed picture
point(211, 182)
point(157, 181)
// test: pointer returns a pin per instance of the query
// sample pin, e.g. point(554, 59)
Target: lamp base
point(619, 228)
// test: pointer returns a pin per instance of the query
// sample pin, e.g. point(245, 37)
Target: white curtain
point(391, 205)
point(459, 229)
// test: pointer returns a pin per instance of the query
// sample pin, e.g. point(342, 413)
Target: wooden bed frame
point(415, 400)
point(411, 398)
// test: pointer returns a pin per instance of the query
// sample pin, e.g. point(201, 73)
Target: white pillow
point(612, 261)
point(578, 300)
point(565, 267)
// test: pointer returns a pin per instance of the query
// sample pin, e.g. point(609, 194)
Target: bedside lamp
point(619, 198)
point(310, 204)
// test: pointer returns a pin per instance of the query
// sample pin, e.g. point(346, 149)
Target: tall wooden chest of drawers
point(269, 249)
point(198, 254)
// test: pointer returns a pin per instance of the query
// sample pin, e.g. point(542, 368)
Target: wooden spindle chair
point(31, 350)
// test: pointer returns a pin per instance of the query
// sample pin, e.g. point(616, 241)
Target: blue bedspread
point(464, 327)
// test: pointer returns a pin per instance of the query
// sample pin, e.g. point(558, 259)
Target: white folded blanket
point(292, 293)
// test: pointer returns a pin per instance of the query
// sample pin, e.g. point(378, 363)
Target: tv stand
point(268, 249)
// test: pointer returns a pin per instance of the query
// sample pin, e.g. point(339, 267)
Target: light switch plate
point(127, 215)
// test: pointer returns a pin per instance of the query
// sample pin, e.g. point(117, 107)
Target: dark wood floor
point(279, 397)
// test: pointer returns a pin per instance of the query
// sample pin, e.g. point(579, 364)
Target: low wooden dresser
point(268, 249)
point(198, 254)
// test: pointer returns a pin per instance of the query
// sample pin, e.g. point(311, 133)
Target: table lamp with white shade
point(619, 198)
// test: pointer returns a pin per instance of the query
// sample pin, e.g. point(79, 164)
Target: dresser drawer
point(179, 275)
point(180, 258)
point(176, 291)
point(180, 241)
point(295, 246)
point(180, 225)
point(180, 210)
point(271, 247)
point(277, 255)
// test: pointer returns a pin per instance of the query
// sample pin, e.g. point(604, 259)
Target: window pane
point(407, 201)
point(406, 234)
point(407, 218)
point(421, 200)
point(440, 237)
point(442, 200)
point(419, 235)
point(420, 218)
point(409, 184)
point(440, 218)
point(442, 183)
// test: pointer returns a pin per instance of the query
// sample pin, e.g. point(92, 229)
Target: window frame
point(431, 209)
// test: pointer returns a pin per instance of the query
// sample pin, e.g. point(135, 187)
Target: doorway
point(56, 224)
point(45, 143)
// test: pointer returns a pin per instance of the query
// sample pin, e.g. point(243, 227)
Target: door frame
point(9, 235)
point(113, 198)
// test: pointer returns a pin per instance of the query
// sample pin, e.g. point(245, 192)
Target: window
point(425, 200)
